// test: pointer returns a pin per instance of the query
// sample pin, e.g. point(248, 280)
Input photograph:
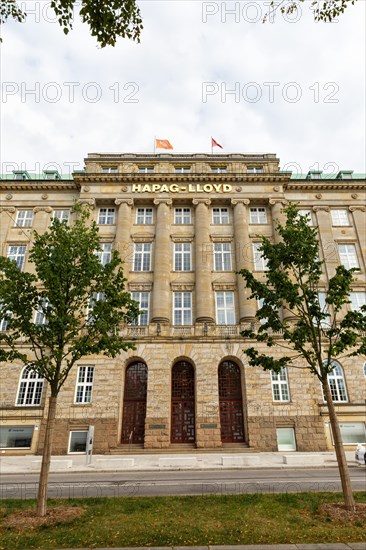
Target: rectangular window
point(106, 216)
point(24, 218)
point(77, 442)
point(339, 217)
point(182, 257)
point(144, 216)
point(182, 169)
point(286, 439)
point(146, 169)
point(260, 304)
point(280, 385)
point(109, 169)
point(325, 323)
point(348, 256)
point(4, 321)
point(260, 263)
point(358, 299)
point(90, 310)
point(143, 299)
point(219, 169)
point(220, 216)
point(308, 214)
point(105, 253)
point(182, 308)
point(353, 433)
point(84, 385)
point(255, 169)
point(41, 313)
point(258, 215)
point(142, 257)
point(182, 216)
point(222, 256)
point(16, 437)
point(225, 308)
point(62, 215)
point(17, 253)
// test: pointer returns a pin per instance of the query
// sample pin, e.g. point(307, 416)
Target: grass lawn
point(185, 521)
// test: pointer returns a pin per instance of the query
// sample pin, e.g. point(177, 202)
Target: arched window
point(337, 384)
point(134, 404)
point(183, 403)
point(30, 387)
point(231, 403)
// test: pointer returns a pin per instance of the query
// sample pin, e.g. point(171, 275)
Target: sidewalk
point(194, 460)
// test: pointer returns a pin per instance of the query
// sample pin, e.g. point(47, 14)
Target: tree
point(110, 19)
point(324, 10)
point(82, 302)
point(107, 19)
point(293, 317)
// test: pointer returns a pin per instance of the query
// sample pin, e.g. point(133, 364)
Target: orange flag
point(163, 144)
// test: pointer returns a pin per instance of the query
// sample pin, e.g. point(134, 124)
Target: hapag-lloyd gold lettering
point(175, 188)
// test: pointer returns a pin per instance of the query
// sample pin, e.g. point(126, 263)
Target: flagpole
point(154, 143)
point(211, 147)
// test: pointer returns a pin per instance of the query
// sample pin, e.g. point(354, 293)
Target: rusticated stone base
point(105, 435)
point(157, 433)
point(208, 433)
point(309, 432)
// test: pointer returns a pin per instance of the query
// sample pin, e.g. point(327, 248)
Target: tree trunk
point(46, 458)
point(339, 449)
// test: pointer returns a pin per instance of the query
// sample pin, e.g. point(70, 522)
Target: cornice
point(121, 178)
point(347, 185)
point(39, 185)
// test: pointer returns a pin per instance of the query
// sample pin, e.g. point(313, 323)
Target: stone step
point(179, 449)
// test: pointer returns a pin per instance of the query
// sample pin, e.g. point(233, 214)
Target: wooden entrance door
point(134, 404)
point(183, 410)
point(231, 403)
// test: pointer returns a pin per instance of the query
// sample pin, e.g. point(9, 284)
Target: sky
point(289, 86)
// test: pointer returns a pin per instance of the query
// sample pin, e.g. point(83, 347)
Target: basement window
point(77, 441)
point(286, 439)
point(16, 437)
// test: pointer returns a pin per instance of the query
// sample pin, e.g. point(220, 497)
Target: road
point(208, 482)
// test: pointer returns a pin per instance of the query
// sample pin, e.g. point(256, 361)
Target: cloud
point(291, 88)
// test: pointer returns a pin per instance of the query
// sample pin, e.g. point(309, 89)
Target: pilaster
point(161, 288)
point(204, 295)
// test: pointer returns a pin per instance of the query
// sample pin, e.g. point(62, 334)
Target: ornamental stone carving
point(91, 202)
point(44, 197)
point(10, 209)
point(9, 196)
point(207, 202)
point(169, 202)
point(47, 209)
point(319, 208)
point(129, 202)
point(357, 207)
point(240, 201)
point(272, 202)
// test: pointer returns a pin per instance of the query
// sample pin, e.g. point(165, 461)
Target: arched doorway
point(134, 403)
point(231, 403)
point(183, 410)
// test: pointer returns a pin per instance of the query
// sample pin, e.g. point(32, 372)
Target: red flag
point(163, 144)
point(215, 144)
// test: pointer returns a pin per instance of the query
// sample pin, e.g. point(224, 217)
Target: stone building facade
point(184, 226)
